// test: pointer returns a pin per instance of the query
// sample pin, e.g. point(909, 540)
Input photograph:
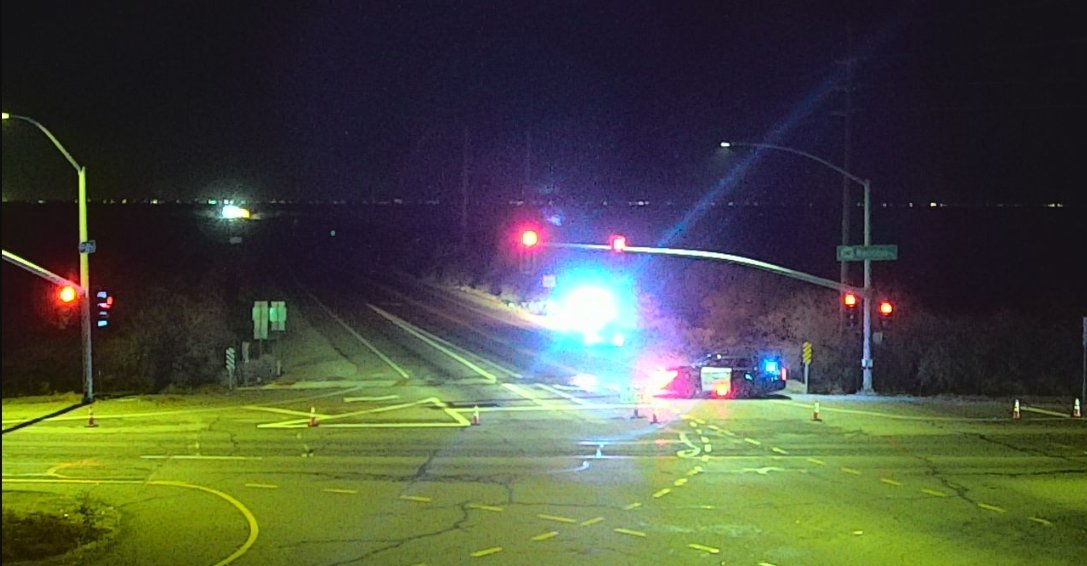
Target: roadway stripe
point(592, 521)
point(934, 492)
point(335, 490)
point(779, 450)
point(623, 531)
point(817, 461)
point(556, 518)
point(851, 471)
point(485, 507)
point(662, 493)
point(359, 337)
point(890, 481)
point(486, 551)
point(630, 506)
point(992, 508)
point(434, 342)
point(573, 398)
point(752, 442)
point(197, 457)
point(529, 394)
point(1040, 521)
point(545, 536)
point(262, 485)
point(680, 482)
point(704, 548)
point(418, 498)
point(1046, 412)
point(694, 471)
point(381, 398)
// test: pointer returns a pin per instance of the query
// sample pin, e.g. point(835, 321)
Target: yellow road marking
point(679, 482)
point(890, 481)
point(851, 471)
point(992, 508)
point(752, 441)
point(556, 518)
point(333, 490)
point(1040, 521)
point(704, 440)
point(694, 471)
point(592, 521)
point(487, 551)
point(707, 448)
point(779, 450)
point(634, 505)
point(704, 548)
point(485, 507)
point(629, 532)
point(934, 492)
point(705, 458)
point(262, 485)
point(662, 493)
point(418, 498)
point(545, 536)
point(817, 461)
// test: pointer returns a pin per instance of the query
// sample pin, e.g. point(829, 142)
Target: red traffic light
point(67, 294)
point(886, 308)
point(618, 243)
point(850, 300)
point(530, 238)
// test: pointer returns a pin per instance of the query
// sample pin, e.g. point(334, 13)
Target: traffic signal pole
point(85, 283)
point(866, 346)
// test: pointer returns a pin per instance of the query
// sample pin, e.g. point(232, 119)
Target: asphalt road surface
point(395, 377)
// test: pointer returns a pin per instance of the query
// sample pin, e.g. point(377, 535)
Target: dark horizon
point(611, 100)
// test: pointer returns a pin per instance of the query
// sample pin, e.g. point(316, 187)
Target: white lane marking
point(460, 420)
point(196, 457)
point(573, 398)
point(434, 342)
point(359, 399)
point(403, 373)
point(1046, 412)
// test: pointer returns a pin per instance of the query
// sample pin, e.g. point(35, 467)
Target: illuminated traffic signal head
point(851, 301)
point(618, 243)
point(104, 305)
point(529, 238)
point(886, 308)
point(67, 294)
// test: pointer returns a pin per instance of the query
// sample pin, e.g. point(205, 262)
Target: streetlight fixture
point(866, 354)
point(86, 247)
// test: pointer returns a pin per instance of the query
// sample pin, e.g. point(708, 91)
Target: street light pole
point(866, 345)
point(84, 258)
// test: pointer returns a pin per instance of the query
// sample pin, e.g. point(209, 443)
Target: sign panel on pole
point(260, 320)
point(887, 252)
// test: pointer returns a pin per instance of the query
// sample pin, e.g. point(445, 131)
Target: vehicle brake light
point(721, 390)
point(784, 373)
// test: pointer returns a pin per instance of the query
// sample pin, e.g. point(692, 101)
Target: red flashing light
point(886, 308)
point(618, 243)
point(530, 238)
point(850, 300)
point(67, 294)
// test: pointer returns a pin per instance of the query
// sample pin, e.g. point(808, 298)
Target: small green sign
point(886, 252)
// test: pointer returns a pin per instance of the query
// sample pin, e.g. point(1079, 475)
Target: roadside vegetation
point(39, 535)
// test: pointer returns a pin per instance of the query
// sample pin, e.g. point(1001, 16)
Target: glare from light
point(231, 212)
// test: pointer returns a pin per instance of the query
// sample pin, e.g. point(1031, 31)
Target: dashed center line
point(704, 548)
point(262, 485)
point(545, 536)
point(491, 508)
point(934, 492)
point(992, 508)
point(630, 506)
point(1040, 521)
point(592, 521)
point(334, 490)
point(418, 498)
point(817, 461)
point(556, 518)
point(890, 481)
point(752, 442)
point(851, 471)
point(487, 551)
point(632, 533)
point(662, 493)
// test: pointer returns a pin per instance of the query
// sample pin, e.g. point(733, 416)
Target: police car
point(727, 375)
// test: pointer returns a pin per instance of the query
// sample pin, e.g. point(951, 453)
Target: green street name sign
point(887, 252)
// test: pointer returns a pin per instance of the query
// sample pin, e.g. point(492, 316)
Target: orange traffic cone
point(1015, 410)
point(475, 415)
point(1075, 410)
point(815, 413)
point(90, 418)
point(312, 416)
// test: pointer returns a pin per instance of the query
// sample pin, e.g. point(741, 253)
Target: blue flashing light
point(771, 366)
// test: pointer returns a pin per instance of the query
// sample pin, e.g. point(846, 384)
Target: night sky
point(960, 102)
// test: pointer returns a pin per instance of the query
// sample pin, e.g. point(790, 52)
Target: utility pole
point(528, 164)
point(847, 157)
point(464, 193)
